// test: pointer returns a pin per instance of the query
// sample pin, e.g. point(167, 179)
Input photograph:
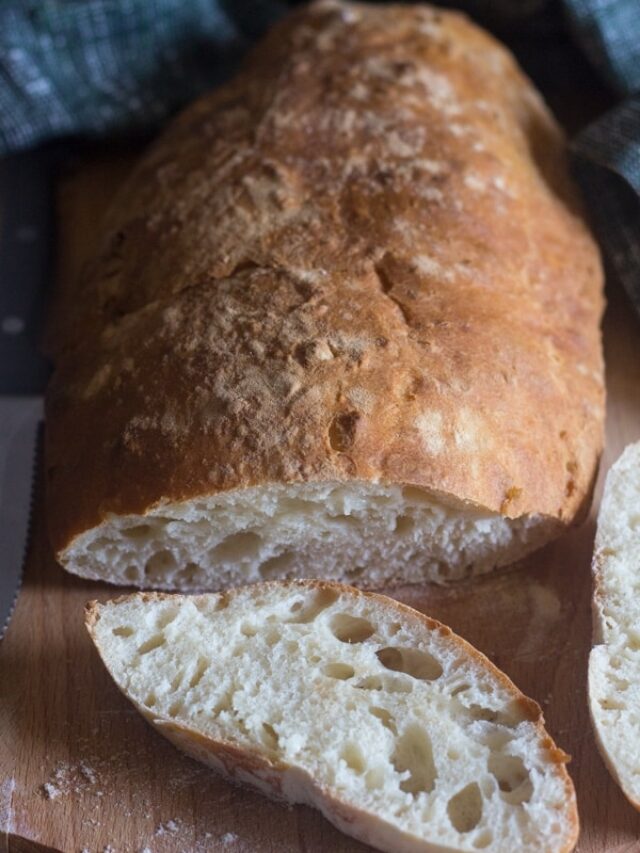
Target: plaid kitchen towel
point(97, 67)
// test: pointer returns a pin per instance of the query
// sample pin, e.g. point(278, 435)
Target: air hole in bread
point(393, 629)
point(270, 736)
point(465, 808)
point(276, 567)
point(413, 662)
point(159, 563)
point(321, 600)
point(453, 754)
point(176, 708)
point(483, 840)
point(202, 666)
point(177, 680)
point(237, 547)
point(404, 524)
point(138, 532)
point(413, 755)
point(122, 631)
point(150, 699)
point(351, 629)
point(610, 704)
point(374, 778)
point(503, 717)
point(353, 757)
point(346, 520)
point(166, 617)
point(248, 630)
point(387, 683)
point(385, 718)
point(512, 777)
point(152, 643)
point(460, 688)
point(132, 574)
point(341, 671)
point(414, 494)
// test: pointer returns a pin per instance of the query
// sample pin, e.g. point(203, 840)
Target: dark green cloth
point(104, 67)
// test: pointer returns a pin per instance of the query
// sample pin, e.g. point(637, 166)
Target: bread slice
point(343, 323)
point(614, 663)
point(401, 733)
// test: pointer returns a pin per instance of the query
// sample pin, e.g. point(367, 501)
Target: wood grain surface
point(81, 771)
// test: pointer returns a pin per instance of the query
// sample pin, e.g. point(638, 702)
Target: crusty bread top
point(361, 259)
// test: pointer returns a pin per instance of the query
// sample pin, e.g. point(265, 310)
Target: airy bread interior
point(367, 534)
point(393, 726)
point(614, 664)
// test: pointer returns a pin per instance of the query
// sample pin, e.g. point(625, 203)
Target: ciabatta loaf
point(614, 663)
point(343, 323)
point(399, 731)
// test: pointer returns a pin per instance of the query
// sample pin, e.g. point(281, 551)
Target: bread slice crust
point(277, 776)
point(614, 661)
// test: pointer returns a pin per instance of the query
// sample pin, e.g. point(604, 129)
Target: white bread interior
point(368, 534)
point(614, 663)
point(396, 729)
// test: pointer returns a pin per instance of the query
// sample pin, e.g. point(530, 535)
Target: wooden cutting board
point(81, 771)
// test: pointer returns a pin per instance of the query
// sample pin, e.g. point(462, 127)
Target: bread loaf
point(614, 663)
point(400, 732)
point(344, 322)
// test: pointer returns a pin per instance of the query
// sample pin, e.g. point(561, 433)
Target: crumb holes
point(297, 605)
point(608, 552)
point(394, 628)
point(269, 736)
point(150, 699)
point(277, 567)
point(177, 680)
point(160, 564)
point(609, 704)
point(414, 756)
point(453, 754)
point(374, 778)
point(166, 617)
point(483, 840)
point(345, 520)
point(413, 662)
point(131, 574)
point(371, 682)
point(385, 718)
point(313, 607)
point(634, 522)
point(460, 688)
point(404, 524)
point(509, 716)
point(416, 495)
point(248, 630)
point(341, 671)
point(272, 637)
point(139, 532)
point(152, 643)
point(198, 674)
point(175, 709)
point(122, 631)
point(465, 808)
point(351, 629)
point(342, 431)
point(353, 757)
point(237, 547)
point(512, 777)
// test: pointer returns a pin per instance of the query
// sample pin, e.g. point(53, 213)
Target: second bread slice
point(401, 733)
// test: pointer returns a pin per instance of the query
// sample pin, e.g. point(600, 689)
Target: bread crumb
point(168, 827)
point(229, 838)
point(51, 792)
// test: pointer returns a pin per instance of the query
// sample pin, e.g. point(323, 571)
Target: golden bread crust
point(362, 259)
